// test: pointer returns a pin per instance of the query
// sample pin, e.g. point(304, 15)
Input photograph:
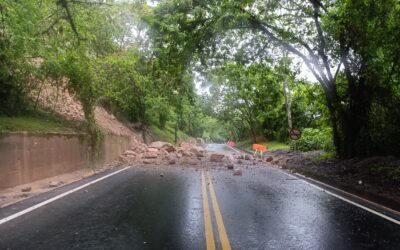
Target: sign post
point(294, 134)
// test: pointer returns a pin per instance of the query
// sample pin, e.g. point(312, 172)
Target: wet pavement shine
point(194, 209)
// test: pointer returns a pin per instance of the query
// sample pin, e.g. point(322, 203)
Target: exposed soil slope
point(64, 103)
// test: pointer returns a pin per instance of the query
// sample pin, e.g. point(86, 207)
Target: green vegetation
point(315, 139)
point(146, 63)
point(271, 145)
point(34, 124)
point(167, 134)
point(324, 156)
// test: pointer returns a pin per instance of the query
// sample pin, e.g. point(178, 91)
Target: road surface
point(136, 208)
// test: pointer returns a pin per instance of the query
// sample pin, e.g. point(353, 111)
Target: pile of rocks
point(164, 153)
point(160, 152)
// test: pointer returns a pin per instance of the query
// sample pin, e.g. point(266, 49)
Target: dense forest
point(216, 69)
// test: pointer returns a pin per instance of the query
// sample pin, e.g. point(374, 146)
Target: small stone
point(237, 172)
point(53, 184)
point(146, 161)
point(239, 162)
point(230, 166)
point(247, 157)
point(161, 175)
point(269, 159)
point(172, 162)
point(360, 182)
point(217, 157)
point(26, 189)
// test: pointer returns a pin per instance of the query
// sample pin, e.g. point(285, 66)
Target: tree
point(349, 46)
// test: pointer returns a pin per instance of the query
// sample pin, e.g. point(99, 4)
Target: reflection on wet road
point(139, 209)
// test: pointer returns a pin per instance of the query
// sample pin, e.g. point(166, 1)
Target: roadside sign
point(295, 134)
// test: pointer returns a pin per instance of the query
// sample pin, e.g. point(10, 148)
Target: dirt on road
point(374, 178)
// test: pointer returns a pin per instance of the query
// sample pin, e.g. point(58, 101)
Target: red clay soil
point(64, 103)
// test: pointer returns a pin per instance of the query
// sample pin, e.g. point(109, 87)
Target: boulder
point(150, 155)
point(169, 148)
point(198, 151)
point(217, 157)
point(184, 152)
point(152, 150)
point(237, 172)
point(26, 189)
point(162, 145)
point(163, 152)
point(130, 153)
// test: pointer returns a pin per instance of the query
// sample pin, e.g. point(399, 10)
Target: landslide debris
point(186, 154)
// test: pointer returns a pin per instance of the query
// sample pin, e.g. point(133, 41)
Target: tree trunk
point(337, 140)
point(143, 128)
point(288, 104)
point(356, 121)
point(348, 121)
point(176, 133)
point(253, 134)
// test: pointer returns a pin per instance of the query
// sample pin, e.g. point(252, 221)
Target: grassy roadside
point(35, 123)
point(271, 145)
point(167, 134)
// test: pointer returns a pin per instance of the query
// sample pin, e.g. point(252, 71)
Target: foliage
point(143, 62)
point(271, 145)
point(314, 139)
point(167, 134)
point(349, 46)
point(36, 122)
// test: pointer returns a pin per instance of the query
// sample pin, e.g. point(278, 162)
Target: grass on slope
point(34, 124)
point(271, 145)
point(167, 134)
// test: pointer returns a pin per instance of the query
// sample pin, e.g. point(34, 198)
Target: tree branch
point(319, 76)
point(322, 42)
point(90, 3)
point(70, 19)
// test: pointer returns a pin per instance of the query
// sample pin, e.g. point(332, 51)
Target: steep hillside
point(63, 103)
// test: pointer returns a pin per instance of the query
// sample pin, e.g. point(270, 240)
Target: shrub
point(314, 139)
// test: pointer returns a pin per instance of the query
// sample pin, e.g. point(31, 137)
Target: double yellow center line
point(210, 242)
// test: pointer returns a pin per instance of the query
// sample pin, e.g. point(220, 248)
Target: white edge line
point(340, 197)
point(347, 200)
point(234, 149)
point(41, 204)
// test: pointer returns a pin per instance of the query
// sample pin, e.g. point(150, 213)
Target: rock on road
point(138, 208)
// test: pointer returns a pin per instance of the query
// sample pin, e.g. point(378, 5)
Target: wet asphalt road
point(139, 209)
